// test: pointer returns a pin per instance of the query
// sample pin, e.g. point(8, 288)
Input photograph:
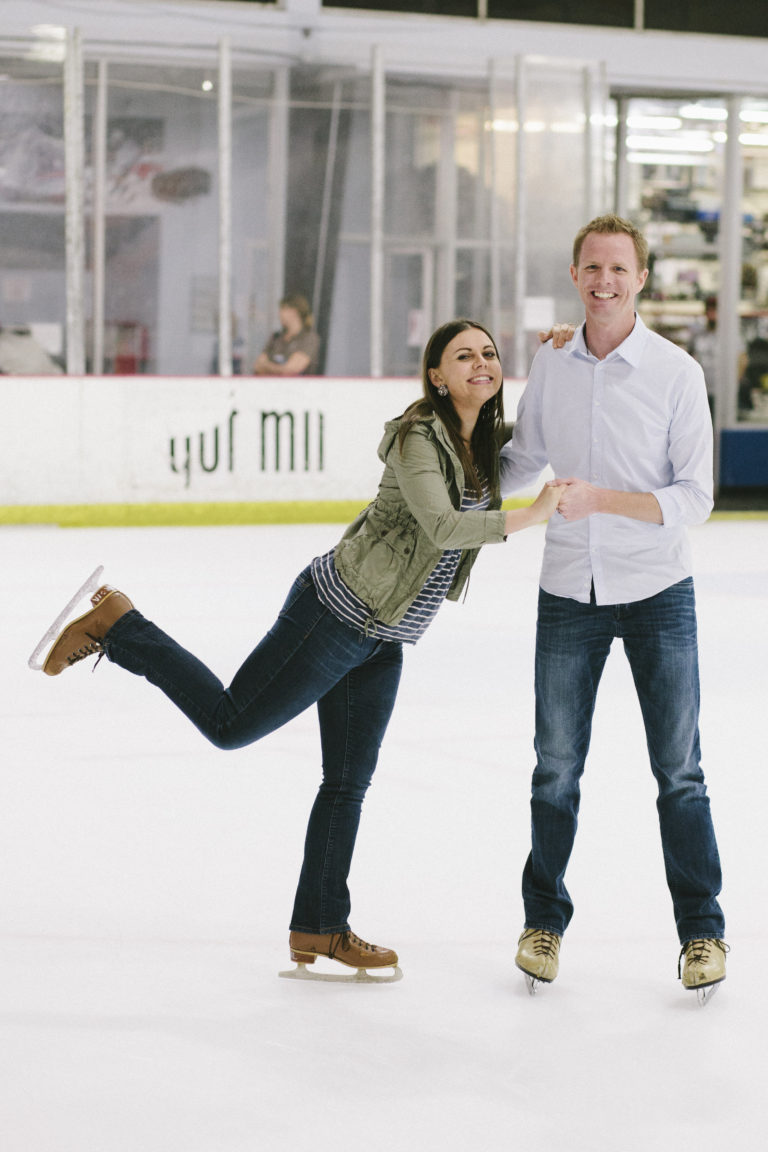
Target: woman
point(295, 349)
point(338, 639)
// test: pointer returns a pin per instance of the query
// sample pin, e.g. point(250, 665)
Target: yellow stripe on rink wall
point(234, 512)
point(189, 514)
point(181, 513)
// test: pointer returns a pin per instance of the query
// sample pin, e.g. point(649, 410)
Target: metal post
point(600, 135)
point(493, 222)
point(98, 223)
point(589, 160)
point(378, 141)
point(74, 158)
point(622, 166)
point(327, 201)
point(729, 295)
point(521, 353)
point(445, 222)
point(225, 207)
point(277, 188)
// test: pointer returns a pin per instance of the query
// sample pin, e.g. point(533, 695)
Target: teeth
point(604, 295)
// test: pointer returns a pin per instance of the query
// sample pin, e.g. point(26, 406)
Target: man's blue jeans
point(572, 644)
point(307, 656)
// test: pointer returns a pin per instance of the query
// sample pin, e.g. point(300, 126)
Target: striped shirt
point(351, 610)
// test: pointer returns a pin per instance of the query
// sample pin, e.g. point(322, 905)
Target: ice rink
point(148, 879)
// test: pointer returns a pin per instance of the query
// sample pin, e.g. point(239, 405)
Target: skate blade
point(532, 983)
point(360, 976)
point(90, 585)
point(704, 995)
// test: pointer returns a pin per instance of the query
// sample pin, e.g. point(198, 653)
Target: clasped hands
point(578, 499)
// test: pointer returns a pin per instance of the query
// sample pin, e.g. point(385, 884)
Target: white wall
point(139, 439)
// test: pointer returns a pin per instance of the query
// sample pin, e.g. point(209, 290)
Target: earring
point(442, 390)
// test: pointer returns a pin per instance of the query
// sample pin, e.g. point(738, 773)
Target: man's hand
point(578, 499)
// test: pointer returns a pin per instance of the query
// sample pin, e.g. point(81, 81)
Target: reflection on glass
point(32, 239)
point(675, 159)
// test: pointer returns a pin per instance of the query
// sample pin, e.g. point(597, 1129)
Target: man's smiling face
point(608, 279)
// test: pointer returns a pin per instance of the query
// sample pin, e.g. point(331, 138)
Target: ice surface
point(147, 882)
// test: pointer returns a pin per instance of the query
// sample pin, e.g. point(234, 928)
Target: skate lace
point(346, 941)
point(93, 646)
point(698, 952)
point(545, 943)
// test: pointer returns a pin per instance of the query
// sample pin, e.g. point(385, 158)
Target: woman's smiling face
point(469, 368)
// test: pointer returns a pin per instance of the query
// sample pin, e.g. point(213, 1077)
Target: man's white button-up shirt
point(637, 421)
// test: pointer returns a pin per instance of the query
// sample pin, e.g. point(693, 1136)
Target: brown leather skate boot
point(342, 946)
point(84, 636)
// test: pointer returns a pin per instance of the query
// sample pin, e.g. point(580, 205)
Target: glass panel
point(675, 153)
point(556, 193)
point(415, 115)
point(474, 164)
point(407, 311)
point(737, 18)
point(161, 294)
point(344, 317)
point(753, 383)
point(32, 233)
point(438, 202)
point(329, 171)
point(253, 311)
point(435, 7)
point(618, 13)
point(349, 343)
point(473, 283)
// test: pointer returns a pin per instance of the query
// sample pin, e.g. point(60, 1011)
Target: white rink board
point(139, 439)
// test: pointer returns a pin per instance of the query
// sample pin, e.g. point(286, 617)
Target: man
point(621, 415)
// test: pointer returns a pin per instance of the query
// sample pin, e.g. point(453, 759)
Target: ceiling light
point(754, 115)
point(758, 139)
point(703, 112)
point(685, 143)
point(670, 158)
point(648, 122)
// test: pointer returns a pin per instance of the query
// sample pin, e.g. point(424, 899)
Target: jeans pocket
point(300, 585)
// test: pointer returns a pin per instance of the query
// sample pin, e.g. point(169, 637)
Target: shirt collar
point(630, 349)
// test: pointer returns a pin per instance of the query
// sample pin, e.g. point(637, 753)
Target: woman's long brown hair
point(481, 459)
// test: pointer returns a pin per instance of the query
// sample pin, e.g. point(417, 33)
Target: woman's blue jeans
point(307, 657)
point(572, 644)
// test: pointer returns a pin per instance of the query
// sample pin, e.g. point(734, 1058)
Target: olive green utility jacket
point(387, 553)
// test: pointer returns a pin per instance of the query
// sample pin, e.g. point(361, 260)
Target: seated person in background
point(295, 349)
point(754, 382)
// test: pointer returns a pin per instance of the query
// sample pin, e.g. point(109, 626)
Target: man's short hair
point(613, 224)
